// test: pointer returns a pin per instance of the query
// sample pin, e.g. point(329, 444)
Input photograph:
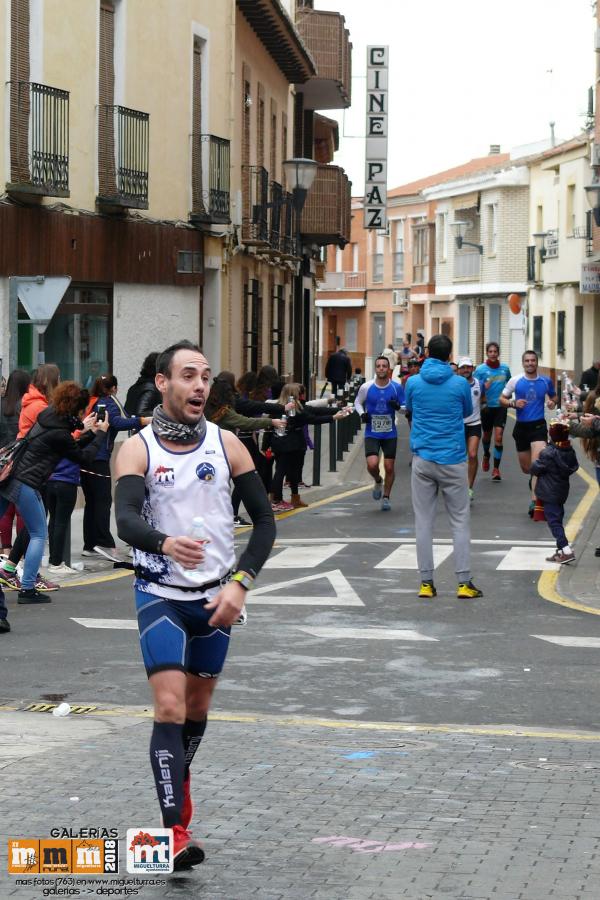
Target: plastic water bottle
point(280, 432)
point(292, 411)
point(198, 533)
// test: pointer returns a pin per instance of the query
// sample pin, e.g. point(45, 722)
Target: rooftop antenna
point(552, 136)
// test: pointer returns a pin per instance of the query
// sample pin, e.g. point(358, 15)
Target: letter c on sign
point(377, 56)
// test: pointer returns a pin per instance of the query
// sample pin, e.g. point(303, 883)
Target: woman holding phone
point(96, 478)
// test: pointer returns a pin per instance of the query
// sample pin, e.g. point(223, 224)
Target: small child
point(553, 467)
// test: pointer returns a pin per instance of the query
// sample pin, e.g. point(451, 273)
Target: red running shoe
point(485, 464)
point(496, 475)
point(187, 810)
point(186, 851)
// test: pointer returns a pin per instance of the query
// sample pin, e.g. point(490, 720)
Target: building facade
point(144, 196)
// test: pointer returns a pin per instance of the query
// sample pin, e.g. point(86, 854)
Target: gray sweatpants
point(429, 479)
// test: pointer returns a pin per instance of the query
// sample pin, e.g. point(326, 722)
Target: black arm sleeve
point(254, 498)
point(129, 498)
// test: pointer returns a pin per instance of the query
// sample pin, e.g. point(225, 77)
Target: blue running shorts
point(175, 634)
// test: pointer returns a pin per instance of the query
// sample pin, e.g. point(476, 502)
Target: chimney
point(494, 149)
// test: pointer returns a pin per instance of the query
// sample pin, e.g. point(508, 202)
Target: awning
point(342, 303)
point(466, 201)
point(278, 34)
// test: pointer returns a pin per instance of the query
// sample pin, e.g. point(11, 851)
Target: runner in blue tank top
point(530, 432)
point(495, 376)
point(377, 403)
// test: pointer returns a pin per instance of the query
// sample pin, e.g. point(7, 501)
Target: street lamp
point(461, 229)
point(592, 192)
point(300, 174)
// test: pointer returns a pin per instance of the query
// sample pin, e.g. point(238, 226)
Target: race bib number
point(381, 424)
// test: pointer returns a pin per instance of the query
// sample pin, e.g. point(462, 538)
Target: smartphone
point(101, 412)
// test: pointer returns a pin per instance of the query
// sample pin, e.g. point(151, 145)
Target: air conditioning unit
point(400, 298)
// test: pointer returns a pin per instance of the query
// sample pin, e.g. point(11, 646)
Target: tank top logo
point(164, 477)
point(206, 472)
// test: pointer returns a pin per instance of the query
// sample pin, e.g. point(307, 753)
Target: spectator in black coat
point(590, 377)
point(143, 395)
point(338, 369)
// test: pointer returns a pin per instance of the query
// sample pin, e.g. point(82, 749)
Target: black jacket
point(554, 466)
point(590, 377)
point(49, 441)
point(142, 397)
point(338, 368)
point(294, 440)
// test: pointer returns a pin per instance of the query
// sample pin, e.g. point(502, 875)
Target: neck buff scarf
point(177, 432)
point(493, 363)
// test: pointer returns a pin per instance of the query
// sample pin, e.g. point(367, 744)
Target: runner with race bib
point(377, 402)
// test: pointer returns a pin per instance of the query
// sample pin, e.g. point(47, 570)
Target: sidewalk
point(580, 581)
point(291, 810)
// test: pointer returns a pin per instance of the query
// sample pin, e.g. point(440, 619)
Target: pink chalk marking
point(359, 845)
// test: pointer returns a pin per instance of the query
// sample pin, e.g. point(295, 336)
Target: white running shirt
point(179, 486)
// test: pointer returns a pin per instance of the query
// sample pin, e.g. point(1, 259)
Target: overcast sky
point(464, 75)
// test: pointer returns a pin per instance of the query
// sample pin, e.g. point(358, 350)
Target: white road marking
point(368, 634)
point(116, 624)
point(303, 557)
point(284, 542)
point(345, 595)
point(527, 559)
point(569, 641)
point(405, 557)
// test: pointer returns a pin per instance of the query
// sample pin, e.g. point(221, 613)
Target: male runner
point(377, 402)
point(188, 592)
point(530, 432)
point(494, 375)
point(472, 422)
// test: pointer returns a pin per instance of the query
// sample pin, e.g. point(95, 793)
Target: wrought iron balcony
point(255, 198)
point(210, 180)
point(327, 214)
point(289, 244)
point(123, 149)
point(39, 139)
point(275, 219)
point(328, 41)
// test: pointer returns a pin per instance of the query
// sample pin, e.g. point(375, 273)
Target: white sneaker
point(89, 553)
point(109, 553)
point(62, 570)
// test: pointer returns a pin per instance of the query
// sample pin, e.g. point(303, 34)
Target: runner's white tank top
point(179, 486)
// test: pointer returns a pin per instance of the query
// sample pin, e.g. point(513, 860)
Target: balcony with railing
point(467, 264)
point(327, 39)
point(255, 210)
point(289, 242)
point(210, 180)
point(276, 202)
point(326, 216)
point(344, 281)
point(123, 149)
point(39, 139)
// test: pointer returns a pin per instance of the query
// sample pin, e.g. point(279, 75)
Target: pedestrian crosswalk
point(516, 557)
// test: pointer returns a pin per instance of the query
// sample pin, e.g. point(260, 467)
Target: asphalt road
point(335, 628)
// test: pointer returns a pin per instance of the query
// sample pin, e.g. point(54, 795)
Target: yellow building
point(144, 195)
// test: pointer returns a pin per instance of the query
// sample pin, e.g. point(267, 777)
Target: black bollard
point(317, 455)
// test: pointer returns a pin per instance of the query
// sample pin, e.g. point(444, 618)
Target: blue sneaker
point(378, 490)
point(385, 504)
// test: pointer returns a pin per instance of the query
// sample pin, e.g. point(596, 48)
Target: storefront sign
point(376, 138)
point(590, 278)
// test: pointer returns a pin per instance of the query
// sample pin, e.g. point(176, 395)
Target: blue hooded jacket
point(439, 401)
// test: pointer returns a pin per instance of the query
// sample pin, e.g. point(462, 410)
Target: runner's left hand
point(227, 605)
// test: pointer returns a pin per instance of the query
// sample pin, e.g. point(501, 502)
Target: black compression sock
point(167, 761)
point(193, 732)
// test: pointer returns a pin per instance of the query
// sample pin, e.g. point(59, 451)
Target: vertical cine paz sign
point(377, 138)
